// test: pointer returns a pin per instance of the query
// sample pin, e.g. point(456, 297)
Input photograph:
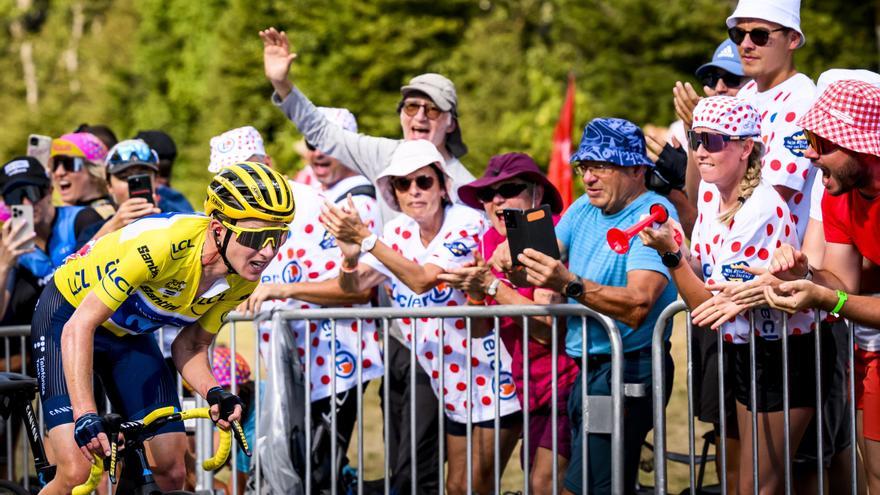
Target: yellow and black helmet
point(250, 190)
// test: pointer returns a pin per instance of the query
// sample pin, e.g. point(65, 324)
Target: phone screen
point(141, 186)
point(23, 214)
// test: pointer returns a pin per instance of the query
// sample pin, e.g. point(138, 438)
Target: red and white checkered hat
point(847, 114)
point(728, 115)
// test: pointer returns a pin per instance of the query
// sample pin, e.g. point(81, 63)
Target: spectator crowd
point(772, 187)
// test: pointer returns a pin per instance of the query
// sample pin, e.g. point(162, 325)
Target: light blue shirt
point(582, 231)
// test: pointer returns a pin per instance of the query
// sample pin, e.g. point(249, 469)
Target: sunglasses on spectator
point(70, 163)
point(132, 151)
point(819, 144)
point(412, 108)
point(730, 80)
point(711, 142)
point(506, 191)
point(32, 193)
point(599, 169)
point(310, 146)
point(759, 36)
point(259, 238)
point(423, 182)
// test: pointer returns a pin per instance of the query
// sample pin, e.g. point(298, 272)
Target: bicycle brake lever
point(238, 431)
point(112, 425)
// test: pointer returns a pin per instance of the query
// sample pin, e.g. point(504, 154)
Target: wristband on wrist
point(841, 300)
point(475, 302)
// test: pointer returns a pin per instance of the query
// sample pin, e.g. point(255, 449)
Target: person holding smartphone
point(514, 181)
point(131, 177)
point(54, 232)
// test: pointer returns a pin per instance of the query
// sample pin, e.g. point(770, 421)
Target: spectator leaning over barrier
point(97, 315)
point(741, 222)
point(428, 109)
point(130, 158)
point(78, 172)
point(513, 180)
point(303, 276)
point(632, 289)
point(431, 236)
point(59, 231)
point(843, 128)
point(170, 200)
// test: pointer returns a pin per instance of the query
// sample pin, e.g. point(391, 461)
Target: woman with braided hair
point(741, 221)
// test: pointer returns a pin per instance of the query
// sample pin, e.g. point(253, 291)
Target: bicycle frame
point(18, 404)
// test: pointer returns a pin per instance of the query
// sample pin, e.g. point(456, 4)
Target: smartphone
point(23, 214)
point(141, 186)
point(530, 229)
point(39, 147)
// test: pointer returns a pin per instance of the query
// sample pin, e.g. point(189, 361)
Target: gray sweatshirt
point(368, 155)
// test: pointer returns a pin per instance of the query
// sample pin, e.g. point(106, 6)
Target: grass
point(676, 422)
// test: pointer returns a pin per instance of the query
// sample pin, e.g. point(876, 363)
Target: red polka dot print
point(763, 254)
point(775, 165)
point(309, 228)
point(750, 251)
point(707, 196)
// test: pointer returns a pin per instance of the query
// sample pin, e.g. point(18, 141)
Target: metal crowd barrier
point(599, 416)
point(385, 316)
point(658, 371)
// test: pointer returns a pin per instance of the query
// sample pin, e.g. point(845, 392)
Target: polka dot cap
point(236, 145)
point(727, 115)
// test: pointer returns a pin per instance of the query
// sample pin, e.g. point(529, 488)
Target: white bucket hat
point(786, 13)
point(233, 146)
point(407, 158)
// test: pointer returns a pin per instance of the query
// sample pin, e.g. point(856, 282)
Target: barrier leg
point(360, 406)
point(786, 412)
point(753, 400)
point(386, 400)
point(722, 413)
point(441, 407)
point(525, 444)
point(307, 420)
point(554, 385)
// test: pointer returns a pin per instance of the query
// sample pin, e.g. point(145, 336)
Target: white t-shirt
point(784, 163)
point(760, 226)
point(310, 254)
point(452, 247)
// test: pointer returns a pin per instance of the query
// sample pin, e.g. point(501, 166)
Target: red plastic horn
point(618, 240)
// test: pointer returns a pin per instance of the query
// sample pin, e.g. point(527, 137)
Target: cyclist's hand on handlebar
point(225, 407)
point(89, 434)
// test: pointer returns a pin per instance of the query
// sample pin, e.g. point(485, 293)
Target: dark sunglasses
point(506, 191)
point(711, 142)
point(310, 146)
point(259, 238)
point(412, 108)
point(759, 36)
point(32, 193)
point(70, 163)
point(819, 144)
point(730, 80)
point(423, 182)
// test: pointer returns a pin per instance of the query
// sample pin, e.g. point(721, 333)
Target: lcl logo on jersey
point(507, 390)
point(326, 329)
point(345, 364)
point(440, 293)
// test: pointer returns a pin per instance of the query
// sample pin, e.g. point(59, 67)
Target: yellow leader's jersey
point(148, 272)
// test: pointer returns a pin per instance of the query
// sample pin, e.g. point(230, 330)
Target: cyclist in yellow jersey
point(99, 312)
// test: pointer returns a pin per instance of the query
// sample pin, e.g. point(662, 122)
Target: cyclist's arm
point(77, 346)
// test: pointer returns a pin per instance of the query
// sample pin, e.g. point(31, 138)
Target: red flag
point(559, 171)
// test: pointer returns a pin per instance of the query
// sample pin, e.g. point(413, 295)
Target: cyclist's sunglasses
point(506, 191)
point(819, 144)
point(711, 142)
point(730, 80)
point(411, 108)
point(759, 36)
point(259, 238)
point(32, 193)
point(423, 182)
point(70, 163)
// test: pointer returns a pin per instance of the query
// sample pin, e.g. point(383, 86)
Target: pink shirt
point(540, 358)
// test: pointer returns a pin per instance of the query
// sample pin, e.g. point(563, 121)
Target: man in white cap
point(767, 33)
point(428, 110)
